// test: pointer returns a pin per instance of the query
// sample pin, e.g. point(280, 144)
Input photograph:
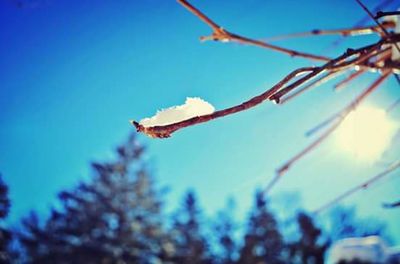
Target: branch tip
point(153, 132)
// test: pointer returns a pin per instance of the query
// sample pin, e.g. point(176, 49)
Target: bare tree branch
point(167, 130)
point(381, 58)
point(341, 116)
point(383, 55)
point(344, 32)
point(359, 187)
point(361, 22)
point(340, 85)
point(275, 93)
point(223, 35)
point(330, 75)
point(371, 57)
point(339, 63)
point(375, 57)
point(323, 124)
point(377, 22)
point(393, 105)
point(391, 205)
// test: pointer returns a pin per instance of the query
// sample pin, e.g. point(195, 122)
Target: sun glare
point(366, 133)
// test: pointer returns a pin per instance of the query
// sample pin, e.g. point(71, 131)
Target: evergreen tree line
point(117, 217)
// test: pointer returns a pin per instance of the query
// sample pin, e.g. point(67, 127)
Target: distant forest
point(118, 217)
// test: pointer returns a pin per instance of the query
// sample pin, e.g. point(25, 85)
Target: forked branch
point(349, 59)
point(167, 130)
point(384, 30)
point(221, 34)
point(372, 57)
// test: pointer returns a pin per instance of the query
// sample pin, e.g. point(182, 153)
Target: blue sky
point(73, 73)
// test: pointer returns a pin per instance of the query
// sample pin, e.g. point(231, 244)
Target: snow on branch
point(348, 60)
point(375, 57)
point(382, 57)
point(193, 106)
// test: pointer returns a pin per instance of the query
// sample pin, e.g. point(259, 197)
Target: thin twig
point(393, 106)
point(223, 35)
point(273, 93)
point(344, 32)
point(351, 77)
point(343, 114)
point(167, 130)
point(396, 76)
point(271, 184)
point(359, 187)
point(200, 15)
point(381, 14)
point(283, 169)
point(391, 205)
point(340, 84)
point(330, 75)
point(339, 63)
point(360, 22)
point(351, 58)
point(384, 54)
point(290, 52)
point(377, 22)
point(323, 124)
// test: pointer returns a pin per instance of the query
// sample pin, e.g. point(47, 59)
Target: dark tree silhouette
point(307, 249)
point(114, 218)
point(224, 229)
point(4, 200)
point(5, 234)
point(263, 243)
point(191, 244)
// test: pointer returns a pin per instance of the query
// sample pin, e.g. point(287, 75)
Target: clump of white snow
point(193, 106)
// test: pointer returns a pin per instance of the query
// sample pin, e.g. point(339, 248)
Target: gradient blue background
point(72, 73)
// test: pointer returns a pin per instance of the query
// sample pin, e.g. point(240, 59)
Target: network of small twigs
point(377, 57)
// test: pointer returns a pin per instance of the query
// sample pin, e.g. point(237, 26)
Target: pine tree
point(225, 233)
point(5, 234)
point(263, 242)
point(308, 249)
point(114, 218)
point(191, 245)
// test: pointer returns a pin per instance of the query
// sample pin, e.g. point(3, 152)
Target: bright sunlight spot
point(366, 133)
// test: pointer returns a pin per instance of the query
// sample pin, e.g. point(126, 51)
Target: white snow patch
point(372, 249)
point(193, 106)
